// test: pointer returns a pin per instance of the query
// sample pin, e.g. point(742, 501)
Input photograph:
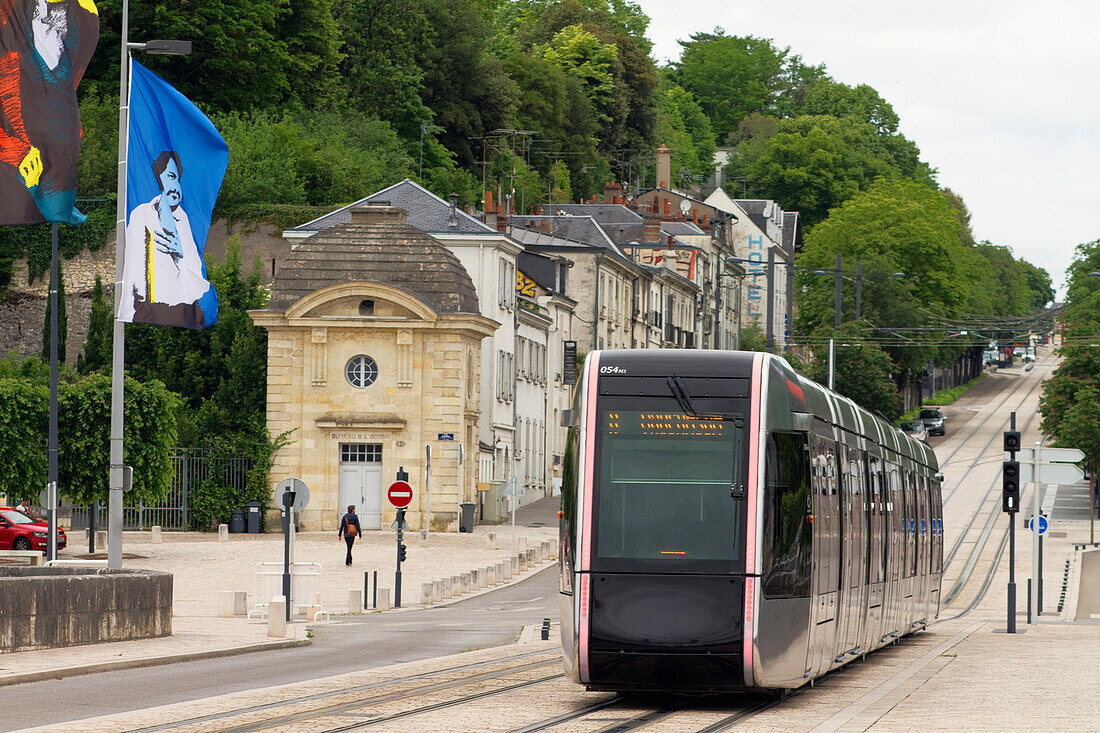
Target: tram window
point(665, 485)
point(786, 511)
point(568, 510)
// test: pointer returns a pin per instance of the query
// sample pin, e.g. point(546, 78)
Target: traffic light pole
point(1011, 621)
point(397, 574)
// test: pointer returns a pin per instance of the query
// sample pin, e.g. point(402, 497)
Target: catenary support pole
point(1036, 458)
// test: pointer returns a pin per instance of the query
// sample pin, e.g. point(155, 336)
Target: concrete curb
point(47, 674)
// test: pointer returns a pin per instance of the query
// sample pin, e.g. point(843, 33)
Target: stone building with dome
point(374, 352)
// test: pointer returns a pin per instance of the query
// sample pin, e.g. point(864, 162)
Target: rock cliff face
point(23, 309)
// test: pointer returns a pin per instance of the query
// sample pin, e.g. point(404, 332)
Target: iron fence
point(190, 469)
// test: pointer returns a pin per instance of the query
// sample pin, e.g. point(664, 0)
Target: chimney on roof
point(488, 200)
point(651, 230)
point(671, 241)
point(668, 207)
point(664, 167)
point(378, 213)
point(611, 192)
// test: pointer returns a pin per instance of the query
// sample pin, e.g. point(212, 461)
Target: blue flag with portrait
point(175, 164)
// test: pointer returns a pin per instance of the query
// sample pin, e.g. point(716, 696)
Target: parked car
point(933, 420)
point(21, 532)
point(914, 429)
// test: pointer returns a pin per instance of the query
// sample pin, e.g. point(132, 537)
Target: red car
point(19, 531)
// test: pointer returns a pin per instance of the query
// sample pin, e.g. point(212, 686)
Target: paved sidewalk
point(202, 566)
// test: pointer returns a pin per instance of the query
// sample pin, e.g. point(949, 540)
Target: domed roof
point(376, 246)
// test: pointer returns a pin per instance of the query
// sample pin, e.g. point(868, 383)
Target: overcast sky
point(999, 96)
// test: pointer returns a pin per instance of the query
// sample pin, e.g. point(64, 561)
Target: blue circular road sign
point(1043, 524)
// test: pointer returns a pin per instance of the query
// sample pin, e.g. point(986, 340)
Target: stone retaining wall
point(45, 607)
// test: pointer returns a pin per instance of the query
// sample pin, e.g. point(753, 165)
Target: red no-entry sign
point(400, 494)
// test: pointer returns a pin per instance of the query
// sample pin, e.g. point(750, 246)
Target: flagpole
point(114, 505)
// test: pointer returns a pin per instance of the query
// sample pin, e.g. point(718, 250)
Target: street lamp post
point(118, 347)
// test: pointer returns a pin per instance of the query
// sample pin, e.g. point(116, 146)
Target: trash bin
point(255, 510)
point(236, 521)
point(466, 522)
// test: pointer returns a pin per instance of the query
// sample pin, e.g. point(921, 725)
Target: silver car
point(933, 420)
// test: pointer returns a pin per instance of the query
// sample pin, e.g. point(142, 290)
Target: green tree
point(814, 163)
point(682, 126)
point(863, 103)
point(863, 372)
point(97, 354)
point(894, 226)
point(246, 54)
point(731, 76)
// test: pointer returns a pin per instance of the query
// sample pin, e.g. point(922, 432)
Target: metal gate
point(189, 469)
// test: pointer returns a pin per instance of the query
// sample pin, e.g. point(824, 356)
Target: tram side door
point(846, 540)
point(856, 587)
point(826, 550)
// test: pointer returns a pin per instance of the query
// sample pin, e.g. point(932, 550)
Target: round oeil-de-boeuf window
point(361, 371)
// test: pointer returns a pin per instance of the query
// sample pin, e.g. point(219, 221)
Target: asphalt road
point(358, 642)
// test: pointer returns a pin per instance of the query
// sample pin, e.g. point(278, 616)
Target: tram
point(729, 525)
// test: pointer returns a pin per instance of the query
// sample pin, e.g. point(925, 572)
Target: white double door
point(361, 485)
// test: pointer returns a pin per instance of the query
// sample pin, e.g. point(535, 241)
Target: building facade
point(374, 352)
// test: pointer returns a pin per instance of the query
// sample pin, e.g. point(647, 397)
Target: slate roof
point(427, 212)
point(792, 231)
point(602, 213)
point(582, 229)
point(680, 227)
point(755, 209)
point(375, 246)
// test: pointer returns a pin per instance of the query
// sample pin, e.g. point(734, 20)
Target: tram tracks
point(989, 509)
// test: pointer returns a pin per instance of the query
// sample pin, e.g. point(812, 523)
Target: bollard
point(437, 591)
point(240, 603)
point(467, 584)
point(225, 604)
point(514, 562)
point(456, 585)
point(506, 569)
point(500, 572)
point(446, 590)
point(382, 599)
point(101, 539)
point(223, 533)
point(355, 601)
point(491, 575)
point(276, 617)
point(426, 594)
point(155, 535)
point(522, 559)
point(477, 579)
point(545, 629)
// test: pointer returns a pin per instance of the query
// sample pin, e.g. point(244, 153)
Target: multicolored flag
point(175, 163)
point(45, 46)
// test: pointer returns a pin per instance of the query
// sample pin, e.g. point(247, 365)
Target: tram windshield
point(666, 487)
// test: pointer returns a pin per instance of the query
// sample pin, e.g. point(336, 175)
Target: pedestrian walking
point(349, 530)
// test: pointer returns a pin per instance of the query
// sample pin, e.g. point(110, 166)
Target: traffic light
point(401, 551)
point(1012, 441)
point(1010, 486)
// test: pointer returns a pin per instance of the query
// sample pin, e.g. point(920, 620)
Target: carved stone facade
point(381, 359)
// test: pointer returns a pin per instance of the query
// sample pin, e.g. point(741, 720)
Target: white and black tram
point(728, 524)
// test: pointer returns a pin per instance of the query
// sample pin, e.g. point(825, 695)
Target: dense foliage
point(1071, 397)
point(84, 417)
